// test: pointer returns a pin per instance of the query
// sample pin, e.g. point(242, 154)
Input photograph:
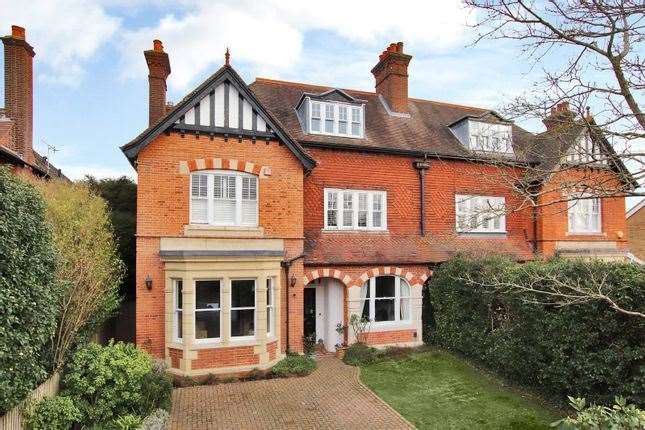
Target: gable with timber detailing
point(221, 105)
point(225, 109)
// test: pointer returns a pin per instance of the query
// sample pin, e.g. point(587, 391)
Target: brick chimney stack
point(391, 74)
point(159, 69)
point(560, 115)
point(19, 89)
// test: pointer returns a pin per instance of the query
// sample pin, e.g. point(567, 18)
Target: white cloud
point(64, 33)
point(269, 35)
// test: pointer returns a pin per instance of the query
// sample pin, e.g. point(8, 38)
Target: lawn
point(436, 390)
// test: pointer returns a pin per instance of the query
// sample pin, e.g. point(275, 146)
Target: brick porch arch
point(185, 167)
point(409, 276)
point(327, 273)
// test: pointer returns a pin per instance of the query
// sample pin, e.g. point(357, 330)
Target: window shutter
point(249, 201)
point(199, 202)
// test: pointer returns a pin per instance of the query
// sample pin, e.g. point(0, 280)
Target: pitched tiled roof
point(329, 248)
point(425, 131)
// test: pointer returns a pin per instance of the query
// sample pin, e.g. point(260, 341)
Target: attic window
point(489, 137)
point(335, 119)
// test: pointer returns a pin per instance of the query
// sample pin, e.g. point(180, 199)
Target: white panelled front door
point(329, 311)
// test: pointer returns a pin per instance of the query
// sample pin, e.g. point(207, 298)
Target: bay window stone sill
point(205, 230)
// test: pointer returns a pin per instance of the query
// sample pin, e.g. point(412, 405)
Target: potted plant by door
point(340, 347)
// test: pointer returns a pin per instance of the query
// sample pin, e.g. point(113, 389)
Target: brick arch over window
point(185, 167)
point(327, 273)
point(409, 276)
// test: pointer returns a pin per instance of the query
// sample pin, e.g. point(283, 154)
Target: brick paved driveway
point(330, 398)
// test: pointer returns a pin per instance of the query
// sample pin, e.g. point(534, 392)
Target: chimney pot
point(157, 45)
point(18, 32)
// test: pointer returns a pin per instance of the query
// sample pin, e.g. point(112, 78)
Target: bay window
point(177, 300)
point(386, 299)
point(224, 198)
point(207, 309)
point(584, 214)
point(480, 214)
point(360, 210)
point(242, 308)
point(270, 307)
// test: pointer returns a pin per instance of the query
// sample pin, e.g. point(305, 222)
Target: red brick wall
point(272, 349)
point(163, 210)
point(175, 356)
point(389, 337)
point(163, 193)
point(397, 176)
point(553, 218)
point(225, 357)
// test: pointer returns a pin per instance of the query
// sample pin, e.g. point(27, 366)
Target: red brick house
point(17, 116)
point(276, 210)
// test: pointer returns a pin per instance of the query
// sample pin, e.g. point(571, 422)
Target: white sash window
point(386, 299)
point(480, 214)
point(361, 210)
point(584, 215)
point(224, 198)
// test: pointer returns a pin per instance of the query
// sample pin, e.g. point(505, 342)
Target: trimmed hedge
point(586, 350)
point(294, 364)
point(29, 293)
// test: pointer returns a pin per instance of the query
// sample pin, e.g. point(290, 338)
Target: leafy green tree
point(29, 296)
point(89, 269)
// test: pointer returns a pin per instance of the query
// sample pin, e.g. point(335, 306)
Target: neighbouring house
point(17, 116)
point(274, 211)
point(636, 226)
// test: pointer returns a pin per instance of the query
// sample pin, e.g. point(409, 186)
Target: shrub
point(89, 269)
point(156, 421)
point(29, 295)
point(294, 364)
point(587, 349)
point(107, 381)
point(360, 354)
point(156, 390)
point(619, 417)
point(56, 413)
point(127, 422)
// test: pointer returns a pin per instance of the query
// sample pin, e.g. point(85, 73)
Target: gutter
point(421, 167)
point(286, 264)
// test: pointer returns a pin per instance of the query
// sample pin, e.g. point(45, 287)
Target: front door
point(310, 312)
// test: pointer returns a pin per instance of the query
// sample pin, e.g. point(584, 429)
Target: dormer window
point(484, 136)
point(333, 113)
point(487, 137)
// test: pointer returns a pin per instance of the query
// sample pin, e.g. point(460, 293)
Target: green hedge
point(29, 296)
point(586, 350)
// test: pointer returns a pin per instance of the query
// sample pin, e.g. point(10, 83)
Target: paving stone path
point(332, 397)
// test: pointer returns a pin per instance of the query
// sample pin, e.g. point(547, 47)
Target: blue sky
point(91, 77)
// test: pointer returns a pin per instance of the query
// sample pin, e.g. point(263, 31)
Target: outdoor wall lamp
point(292, 281)
point(148, 282)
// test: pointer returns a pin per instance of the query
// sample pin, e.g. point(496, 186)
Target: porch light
point(292, 281)
point(148, 282)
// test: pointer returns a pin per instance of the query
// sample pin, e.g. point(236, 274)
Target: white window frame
point(242, 308)
point(177, 310)
point(371, 299)
point(220, 310)
point(210, 218)
point(340, 193)
point(484, 202)
point(270, 306)
point(336, 118)
point(574, 205)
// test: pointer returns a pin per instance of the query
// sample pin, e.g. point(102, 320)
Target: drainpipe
point(535, 233)
point(285, 264)
point(422, 166)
